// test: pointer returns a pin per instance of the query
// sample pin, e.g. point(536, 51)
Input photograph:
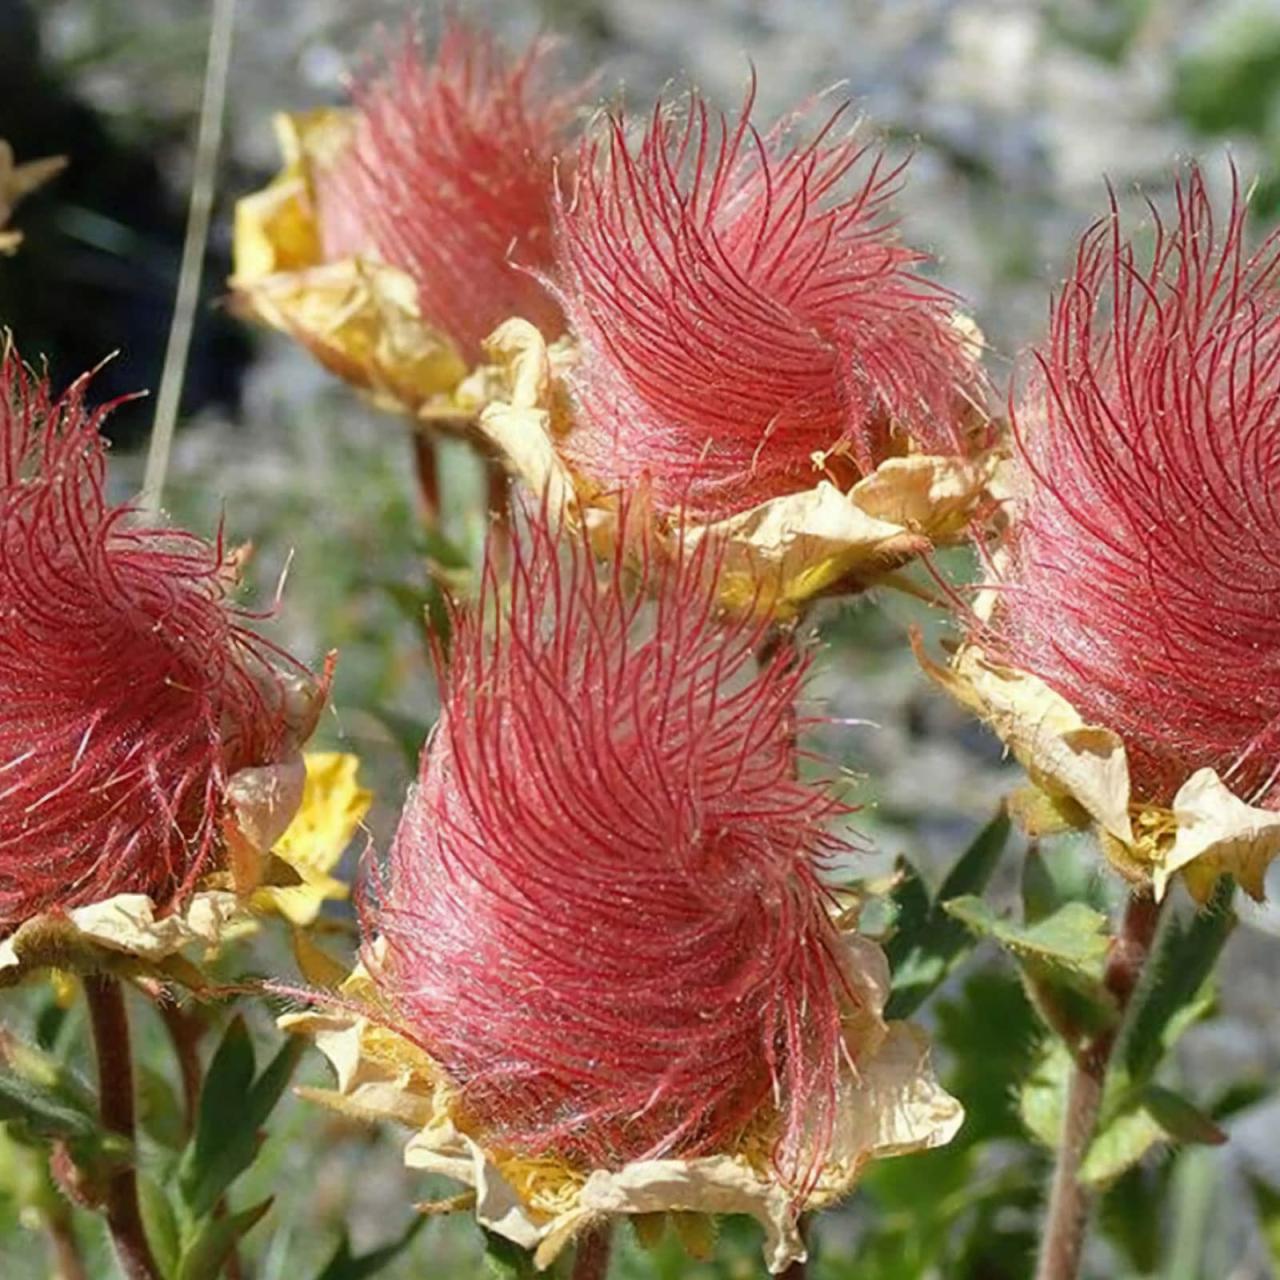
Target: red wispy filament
point(743, 304)
point(450, 176)
point(602, 909)
point(1144, 583)
point(131, 689)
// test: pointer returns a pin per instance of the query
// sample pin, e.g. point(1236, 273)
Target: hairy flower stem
point(591, 1262)
point(1069, 1202)
point(110, 1023)
point(67, 1263)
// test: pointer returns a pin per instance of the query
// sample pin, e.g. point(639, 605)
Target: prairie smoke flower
point(602, 938)
point(402, 231)
point(757, 355)
point(1137, 591)
point(743, 308)
point(147, 728)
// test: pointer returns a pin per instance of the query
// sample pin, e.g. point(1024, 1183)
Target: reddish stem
point(1069, 1202)
point(109, 1021)
point(591, 1261)
point(424, 457)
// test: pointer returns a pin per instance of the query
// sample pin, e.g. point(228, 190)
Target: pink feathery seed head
point(132, 689)
point(743, 303)
point(1144, 554)
point(449, 177)
point(603, 910)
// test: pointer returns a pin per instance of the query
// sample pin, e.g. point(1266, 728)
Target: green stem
point(199, 212)
point(109, 1021)
point(1070, 1203)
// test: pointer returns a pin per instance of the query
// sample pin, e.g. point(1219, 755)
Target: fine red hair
point(132, 689)
point(603, 910)
point(743, 304)
point(1144, 553)
point(449, 177)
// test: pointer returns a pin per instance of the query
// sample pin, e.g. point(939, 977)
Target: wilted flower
point(603, 938)
point(18, 181)
point(1138, 584)
point(756, 352)
point(147, 728)
point(747, 314)
point(406, 229)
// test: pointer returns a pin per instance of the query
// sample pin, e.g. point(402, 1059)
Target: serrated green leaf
point(345, 1266)
point(927, 943)
point(160, 1224)
point(1073, 939)
point(1042, 1099)
point(1176, 989)
point(1120, 1145)
point(204, 1257)
point(1148, 1117)
point(227, 1133)
point(1181, 1120)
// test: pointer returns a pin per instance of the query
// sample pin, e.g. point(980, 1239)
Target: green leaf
point(1152, 1116)
point(1120, 1145)
point(927, 944)
point(1067, 874)
point(1073, 939)
point(204, 1257)
point(1266, 1200)
point(345, 1266)
point(233, 1108)
point(160, 1224)
point(1042, 1099)
point(1130, 1215)
point(1176, 988)
point(1181, 1120)
point(506, 1260)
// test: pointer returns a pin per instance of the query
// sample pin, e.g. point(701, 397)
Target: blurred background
point(1015, 114)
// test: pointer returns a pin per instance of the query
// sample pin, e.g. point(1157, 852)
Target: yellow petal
point(359, 317)
point(890, 1104)
point(1064, 756)
point(361, 320)
point(1218, 834)
point(17, 181)
point(776, 555)
point(127, 927)
point(332, 805)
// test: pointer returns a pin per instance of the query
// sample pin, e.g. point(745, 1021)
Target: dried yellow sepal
point(1080, 776)
point(124, 931)
point(1065, 757)
point(776, 556)
point(359, 317)
point(1217, 834)
point(17, 181)
point(332, 805)
point(892, 1105)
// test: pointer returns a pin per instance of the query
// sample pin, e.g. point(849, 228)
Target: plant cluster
point(614, 964)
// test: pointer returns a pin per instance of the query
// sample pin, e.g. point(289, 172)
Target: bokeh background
point(1015, 114)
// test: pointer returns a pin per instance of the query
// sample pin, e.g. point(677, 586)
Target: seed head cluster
point(1144, 556)
point(743, 304)
point(132, 689)
point(603, 911)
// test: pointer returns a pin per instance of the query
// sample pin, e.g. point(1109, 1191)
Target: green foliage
point(344, 1265)
point(926, 944)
